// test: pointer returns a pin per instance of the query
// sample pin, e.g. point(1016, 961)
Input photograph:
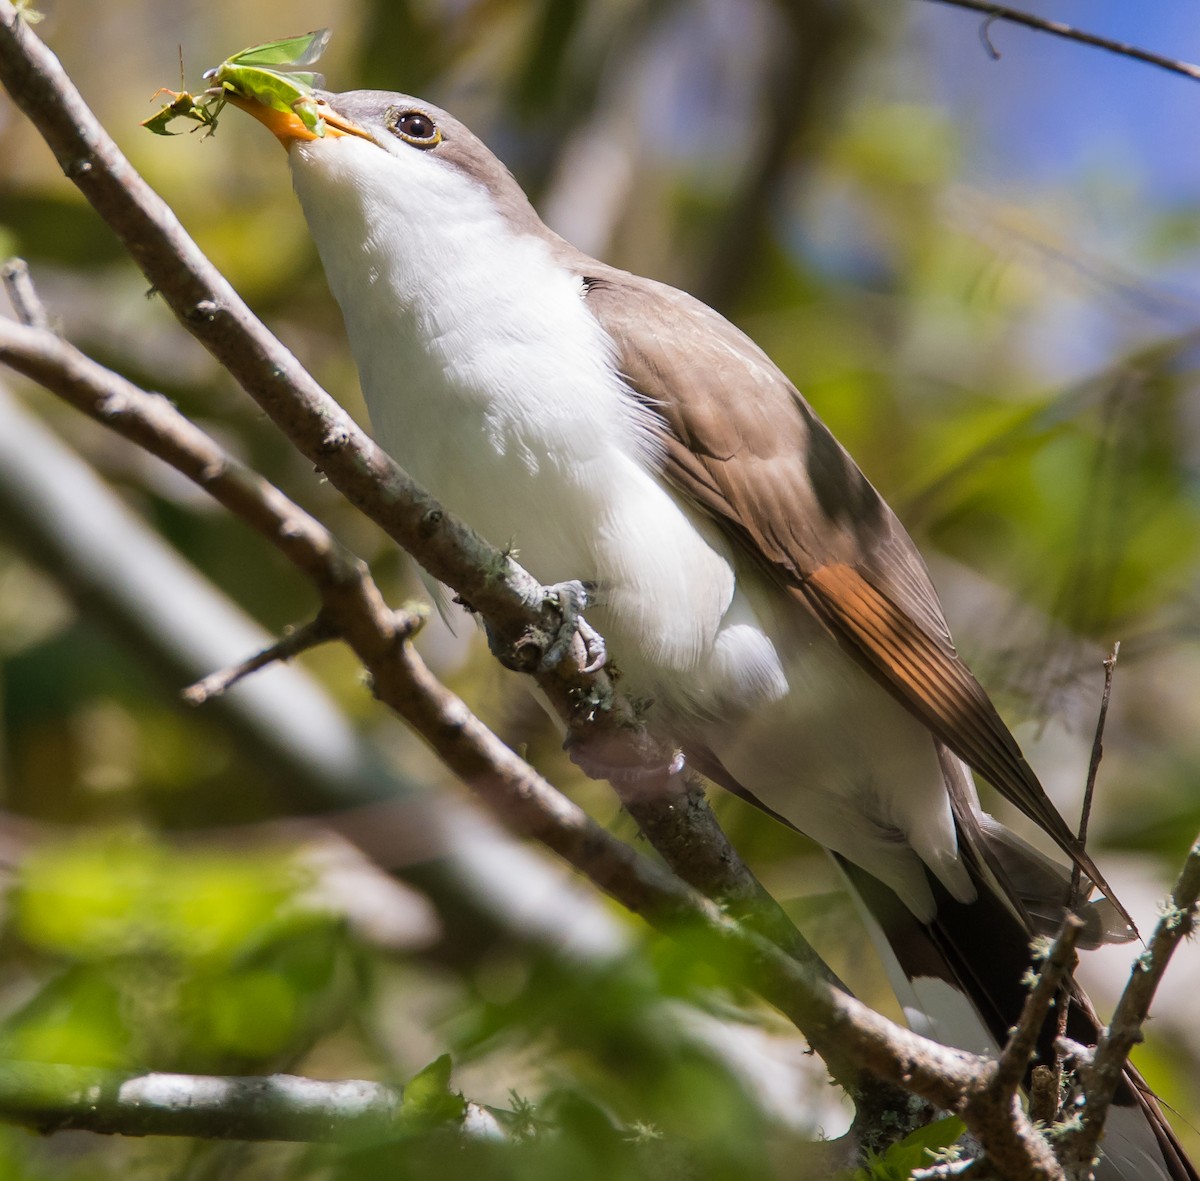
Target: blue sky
point(1100, 145)
point(1050, 107)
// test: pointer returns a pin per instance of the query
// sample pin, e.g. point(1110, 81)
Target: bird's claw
point(572, 600)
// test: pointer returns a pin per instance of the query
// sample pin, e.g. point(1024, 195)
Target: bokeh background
point(973, 247)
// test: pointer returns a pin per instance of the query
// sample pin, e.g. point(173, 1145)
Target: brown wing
point(740, 441)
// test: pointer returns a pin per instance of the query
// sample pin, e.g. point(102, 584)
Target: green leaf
point(428, 1101)
point(915, 1151)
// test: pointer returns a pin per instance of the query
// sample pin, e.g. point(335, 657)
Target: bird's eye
point(414, 127)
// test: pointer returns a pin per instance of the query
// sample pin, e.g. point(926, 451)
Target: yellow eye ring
point(414, 127)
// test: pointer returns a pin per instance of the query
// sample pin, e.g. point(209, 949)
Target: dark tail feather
point(961, 981)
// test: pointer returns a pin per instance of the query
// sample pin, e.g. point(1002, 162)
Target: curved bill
point(289, 128)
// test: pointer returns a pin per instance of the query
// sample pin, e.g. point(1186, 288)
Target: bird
point(748, 579)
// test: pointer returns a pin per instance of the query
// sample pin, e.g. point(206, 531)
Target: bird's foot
point(571, 599)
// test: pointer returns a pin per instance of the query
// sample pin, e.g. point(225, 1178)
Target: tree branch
point(848, 1035)
point(1101, 1075)
point(485, 887)
point(52, 1097)
point(18, 286)
point(514, 605)
point(1089, 787)
point(1015, 16)
point(295, 641)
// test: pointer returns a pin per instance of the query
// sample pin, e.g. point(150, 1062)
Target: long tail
point(960, 981)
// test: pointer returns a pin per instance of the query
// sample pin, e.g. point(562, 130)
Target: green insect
point(183, 105)
point(249, 75)
point(263, 73)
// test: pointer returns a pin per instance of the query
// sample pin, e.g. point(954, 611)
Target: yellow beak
point(287, 126)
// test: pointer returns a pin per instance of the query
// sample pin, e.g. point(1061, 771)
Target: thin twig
point(294, 641)
point(1017, 1053)
point(1089, 788)
point(1101, 1076)
point(985, 37)
point(1073, 891)
point(22, 294)
point(1014, 16)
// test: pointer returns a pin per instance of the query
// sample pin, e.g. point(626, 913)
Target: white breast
point(490, 381)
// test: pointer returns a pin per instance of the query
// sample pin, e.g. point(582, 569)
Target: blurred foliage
point(932, 1144)
point(150, 955)
point(1012, 360)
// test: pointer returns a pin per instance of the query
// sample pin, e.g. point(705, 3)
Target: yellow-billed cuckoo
point(745, 574)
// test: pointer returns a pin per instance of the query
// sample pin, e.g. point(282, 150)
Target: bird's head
point(390, 151)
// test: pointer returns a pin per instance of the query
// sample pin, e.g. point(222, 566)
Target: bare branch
point(1051, 1088)
point(846, 1033)
point(1102, 1074)
point(18, 286)
point(1089, 788)
point(51, 1097)
point(161, 610)
point(985, 39)
point(296, 640)
point(1014, 16)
